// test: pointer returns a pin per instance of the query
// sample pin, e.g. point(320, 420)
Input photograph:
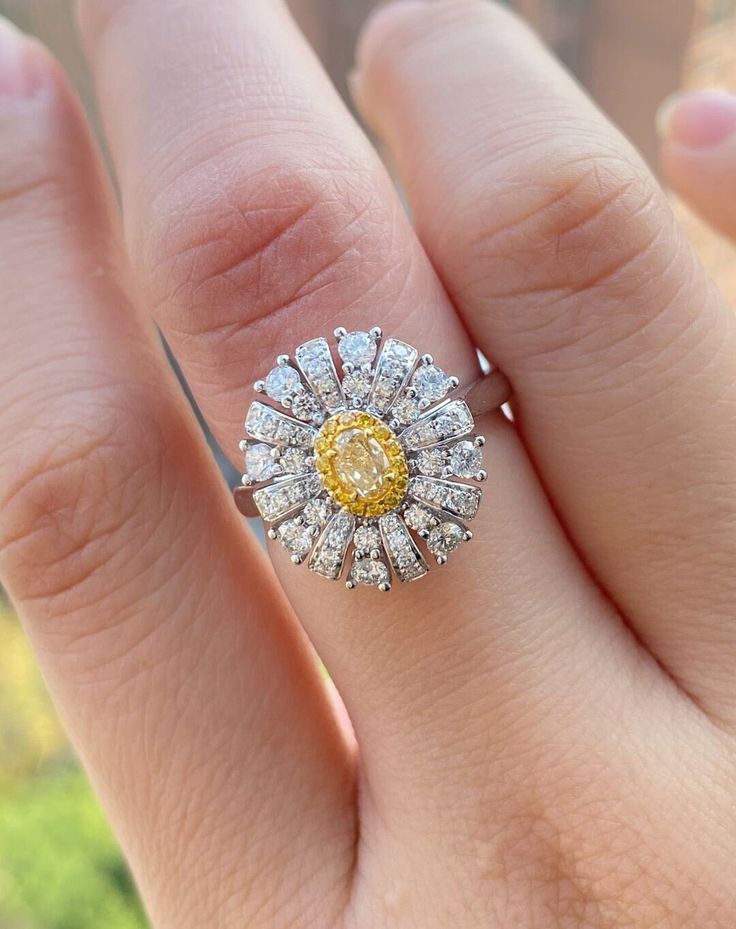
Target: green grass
point(60, 867)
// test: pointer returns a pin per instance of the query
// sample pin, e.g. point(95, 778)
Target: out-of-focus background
point(59, 865)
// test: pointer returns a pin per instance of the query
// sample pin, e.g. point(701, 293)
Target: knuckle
point(262, 242)
point(584, 218)
point(591, 226)
point(66, 523)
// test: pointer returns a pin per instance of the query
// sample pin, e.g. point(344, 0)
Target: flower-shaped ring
point(367, 465)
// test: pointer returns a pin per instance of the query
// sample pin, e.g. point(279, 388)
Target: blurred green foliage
point(59, 865)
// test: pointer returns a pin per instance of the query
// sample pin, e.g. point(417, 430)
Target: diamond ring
point(369, 464)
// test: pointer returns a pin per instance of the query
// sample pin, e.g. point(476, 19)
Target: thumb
point(698, 154)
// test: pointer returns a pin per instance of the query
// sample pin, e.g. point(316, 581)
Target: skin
point(542, 734)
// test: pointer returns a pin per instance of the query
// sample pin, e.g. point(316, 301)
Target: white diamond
point(431, 382)
point(406, 558)
point(450, 421)
point(258, 462)
point(295, 538)
point(465, 459)
point(329, 554)
point(367, 538)
point(269, 425)
point(281, 381)
point(459, 499)
point(406, 410)
point(357, 348)
point(279, 499)
point(366, 571)
point(317, 512)
point(293, 460)
point(392, 371)
point(432, 461)
point(417, 518)
point(445, 539)
point(315, 360)
point(304, 406)
point(356, 385)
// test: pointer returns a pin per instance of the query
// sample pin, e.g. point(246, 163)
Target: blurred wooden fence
point(630, 54)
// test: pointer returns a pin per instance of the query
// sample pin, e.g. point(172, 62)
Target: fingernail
point(697, 119)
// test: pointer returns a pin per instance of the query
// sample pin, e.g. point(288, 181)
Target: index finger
point(258, 216)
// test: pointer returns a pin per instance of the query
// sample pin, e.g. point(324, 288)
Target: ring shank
point(488, 393)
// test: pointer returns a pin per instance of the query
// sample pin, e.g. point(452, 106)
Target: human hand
point(545, 731)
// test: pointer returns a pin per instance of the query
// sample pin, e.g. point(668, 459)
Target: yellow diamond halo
point(361, 463)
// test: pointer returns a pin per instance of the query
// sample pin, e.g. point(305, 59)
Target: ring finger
point(258, 216)
point(568, 267)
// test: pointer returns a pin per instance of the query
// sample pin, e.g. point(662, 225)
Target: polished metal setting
point(365, 464)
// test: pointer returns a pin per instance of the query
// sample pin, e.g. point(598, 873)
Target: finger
point(568, 268)
point(698, 154)
point(174, 660)
point(259, 217)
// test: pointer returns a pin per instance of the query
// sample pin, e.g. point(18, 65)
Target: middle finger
point(259, 216)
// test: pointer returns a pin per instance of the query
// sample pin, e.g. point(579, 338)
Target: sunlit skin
point(542, 734)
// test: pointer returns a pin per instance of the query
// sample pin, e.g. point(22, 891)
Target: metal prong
point(423, 404)
point(479, 441)
point(376, 332)
point(434, 522)
point(259, 387)
point(272, 534)
point(243, 445)
point(481, 475)
point(454, 382)
point(441, 559)
point(468, 535)
point(427, 360)
point(385, 587)
point(282, 360)
point(411, 392)
point(374, 554)
point(299, 520)
point(350, 585)
point(246, 480)
point(340, 332)
point(348, 367)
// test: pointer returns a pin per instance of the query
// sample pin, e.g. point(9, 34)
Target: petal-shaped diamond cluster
point(358, 471)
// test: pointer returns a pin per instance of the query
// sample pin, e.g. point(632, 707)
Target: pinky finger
point(698, 155)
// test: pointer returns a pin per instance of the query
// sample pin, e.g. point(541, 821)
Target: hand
point(545, 731)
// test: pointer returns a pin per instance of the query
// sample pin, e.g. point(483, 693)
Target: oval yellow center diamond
point(361, 463)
